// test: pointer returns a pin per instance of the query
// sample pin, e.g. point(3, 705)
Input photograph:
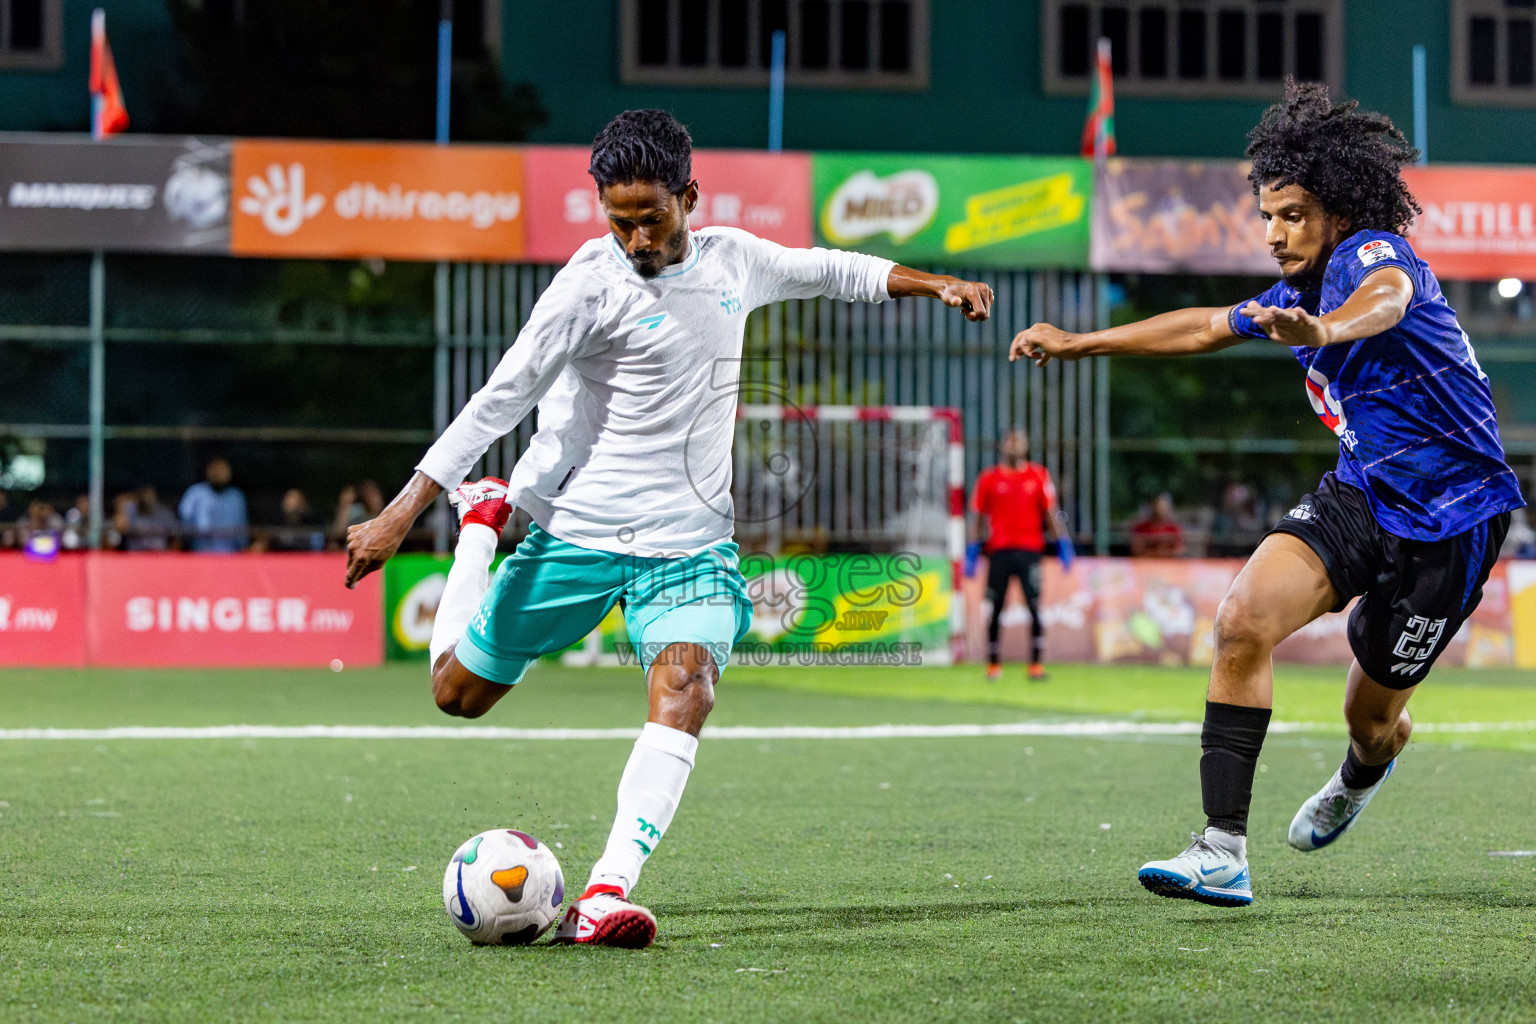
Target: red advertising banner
point(240, 610)
point(768, 194)
point(1478, 224)
point(1162, 611)
point(42, 611)
point(393, 201)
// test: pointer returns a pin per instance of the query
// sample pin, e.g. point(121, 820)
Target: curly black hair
point(1348, 158)
point(643, 145)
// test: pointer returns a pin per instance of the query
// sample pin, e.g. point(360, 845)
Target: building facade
point(905, 75)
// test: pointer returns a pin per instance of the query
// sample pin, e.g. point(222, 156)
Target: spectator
point(113, 530)
point(7, 521)
point(213, 512)
point(77, 524)
point(1159, 534)
point(39, 532)
point(145, 524)
point(1237, 526)
point(301, 529)
point(356, 505)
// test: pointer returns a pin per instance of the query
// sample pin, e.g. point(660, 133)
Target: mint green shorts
point(549, 594)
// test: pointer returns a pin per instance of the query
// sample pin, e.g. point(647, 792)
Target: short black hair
point(643, 145)
point(1350, 159)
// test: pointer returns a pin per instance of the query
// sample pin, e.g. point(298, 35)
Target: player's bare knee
point(454, 697)
point(1241, 628)
point(447, 695)
point(682, 682)
point(693, 685)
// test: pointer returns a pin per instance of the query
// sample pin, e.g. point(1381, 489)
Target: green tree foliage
point(359, 69)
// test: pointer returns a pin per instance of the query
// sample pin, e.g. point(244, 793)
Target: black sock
point(1359, 775)
point(994, 627)
point(1037, 635)
point(1231, 741)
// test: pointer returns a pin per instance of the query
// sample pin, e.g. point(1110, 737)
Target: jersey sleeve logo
point(1375, 251)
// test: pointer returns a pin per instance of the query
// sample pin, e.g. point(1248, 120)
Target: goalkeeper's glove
point(1065, 552)
point(972, 556)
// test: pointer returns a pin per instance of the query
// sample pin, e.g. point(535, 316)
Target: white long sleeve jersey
point(636, 386)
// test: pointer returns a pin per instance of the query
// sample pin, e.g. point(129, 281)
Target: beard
point(1304, 280)
point(657, 260)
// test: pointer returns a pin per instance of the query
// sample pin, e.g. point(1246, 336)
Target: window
point(31, 34)
point(833, 44)
point(1493, 52)
point(1193, 48)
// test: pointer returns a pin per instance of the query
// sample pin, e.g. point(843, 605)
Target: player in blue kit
point(1411, 519)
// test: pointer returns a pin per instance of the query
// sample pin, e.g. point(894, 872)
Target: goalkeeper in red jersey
point(1019, 503)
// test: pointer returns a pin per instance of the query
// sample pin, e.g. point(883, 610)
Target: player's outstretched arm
point(1182, 332)
point(1374, 307)
point(371, 544)
point(971, 297)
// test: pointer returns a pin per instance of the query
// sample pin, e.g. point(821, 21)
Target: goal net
point(837, 479)
point(851, 526)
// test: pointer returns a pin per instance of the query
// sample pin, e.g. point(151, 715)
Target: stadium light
point(1509, 287)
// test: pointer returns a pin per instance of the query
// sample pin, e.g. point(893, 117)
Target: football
point(503, 887)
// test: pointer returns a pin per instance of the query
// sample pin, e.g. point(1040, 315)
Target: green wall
point(985, 95)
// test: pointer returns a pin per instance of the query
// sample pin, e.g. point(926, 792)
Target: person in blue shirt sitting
point(213, 512)
point(1411, 519)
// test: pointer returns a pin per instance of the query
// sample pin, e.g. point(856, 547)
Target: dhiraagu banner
point(1008, 211)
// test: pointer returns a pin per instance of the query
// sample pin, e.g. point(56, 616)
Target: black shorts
point(1414, 594)
point(1006, 563)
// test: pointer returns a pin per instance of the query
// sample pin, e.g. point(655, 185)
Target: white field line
point(1086, 729)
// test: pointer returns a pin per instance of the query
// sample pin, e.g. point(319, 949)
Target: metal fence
point(816, 352)
point(810, 352)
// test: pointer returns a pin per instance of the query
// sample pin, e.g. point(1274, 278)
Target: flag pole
point(1420, 104)
point(776, 94)
point(441, 408)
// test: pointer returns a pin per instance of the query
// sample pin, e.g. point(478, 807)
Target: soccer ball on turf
point(503, 886)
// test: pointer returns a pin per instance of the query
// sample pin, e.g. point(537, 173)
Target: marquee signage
point(537, 204)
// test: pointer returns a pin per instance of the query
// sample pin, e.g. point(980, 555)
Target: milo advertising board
point(853, 609)
point(961, 210)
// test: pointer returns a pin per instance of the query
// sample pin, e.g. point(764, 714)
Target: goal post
point(877, 474)
point(843, 480)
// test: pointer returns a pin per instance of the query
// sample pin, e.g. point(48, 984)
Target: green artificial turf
point(803, 880)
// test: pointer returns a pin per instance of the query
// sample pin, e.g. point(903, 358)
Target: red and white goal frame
point(955, 534)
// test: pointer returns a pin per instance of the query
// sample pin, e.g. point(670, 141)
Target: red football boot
point(484, 502)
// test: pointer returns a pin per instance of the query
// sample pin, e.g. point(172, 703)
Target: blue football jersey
point(1411, 407)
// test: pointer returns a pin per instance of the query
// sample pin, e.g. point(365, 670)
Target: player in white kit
point(632, 355)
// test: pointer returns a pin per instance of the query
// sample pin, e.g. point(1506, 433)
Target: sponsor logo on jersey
point(1327, 406)
point(1375, 252)
point(1304, 513)
point(650, 323)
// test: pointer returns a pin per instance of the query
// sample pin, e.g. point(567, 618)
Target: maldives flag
point(1099, 129)
point(108, 115)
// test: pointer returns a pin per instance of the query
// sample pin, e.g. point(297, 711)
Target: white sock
point(1236, 845)
point(467, 580)
point(649, 791)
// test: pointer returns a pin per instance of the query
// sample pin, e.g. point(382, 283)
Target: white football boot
point(1204, 872)
point(1331, 811)
point(603, 917)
